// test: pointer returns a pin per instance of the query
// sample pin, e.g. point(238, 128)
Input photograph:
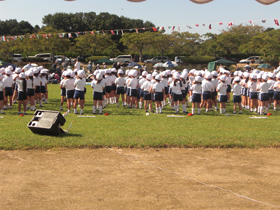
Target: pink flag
point(112, 32)
point(173, 28)
point(196, 25)
point(276, 22)
point(210, 27)
point(136, 30)
point(69, 35)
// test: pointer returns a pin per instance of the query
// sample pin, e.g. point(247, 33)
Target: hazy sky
point(162, 13)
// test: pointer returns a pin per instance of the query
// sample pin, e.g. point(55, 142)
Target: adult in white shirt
point(77, 64)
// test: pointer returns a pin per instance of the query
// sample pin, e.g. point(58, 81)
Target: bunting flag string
point(5, 38)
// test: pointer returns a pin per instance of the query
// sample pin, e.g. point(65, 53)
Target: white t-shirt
point(120, 82)
point(164, 81)
point(263, 87)
point(222, 89)
point(271, 82)
point(215, 83)
point(196, 88)
point(228, 80)
point(252, 86)
point(98, 87)
point(1, 86)
point(133, 83)
point(8, 81)
point(176, 88)
point(69, 84)
point(44, 81)
point(80, 84)
point(147, 85)
point(207, 86)
point(236, 89)
point(20, 85)
point(141, 82)
point(37, 81)
point(77, 65)
point(30, 84)
point(275, 86)
point(158, 87)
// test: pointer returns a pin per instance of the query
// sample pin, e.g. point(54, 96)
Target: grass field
point(132, 128)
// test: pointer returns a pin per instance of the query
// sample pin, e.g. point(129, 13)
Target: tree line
point(236, 42)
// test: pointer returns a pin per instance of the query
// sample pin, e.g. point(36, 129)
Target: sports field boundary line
point(184, 176)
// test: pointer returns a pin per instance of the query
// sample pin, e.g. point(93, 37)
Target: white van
point(122, 59)
point(45, 56)
point(17, 57)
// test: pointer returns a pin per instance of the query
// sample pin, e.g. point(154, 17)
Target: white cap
point(158, 77)
point(184, 75)
point(22, 75)
point(36, 70)
point(120, 71)
point(81, 73)
point(18, 70)
point(127, 72)
point(108, 71)
point(271, 75)
point(10, 67)
point(144, 73)
point(237, 79)
point(254, 76)
point(265, 77)
point(236, 73)
point(8, 71)
point(246, 74)
point(99, 76)
point(154, 74)
point(134, 73)
point(67, 73)
point(198, 73)
point(214, 73)
point(223, 78)
point(168, 71)
point(44, 71)
point(208, 76)
point(149, 77)
point(259, 76)
point(29, 73)
point(240, 74)
point(198, 79)
point(113, 70)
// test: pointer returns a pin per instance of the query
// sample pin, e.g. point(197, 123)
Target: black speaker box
point(47, 122)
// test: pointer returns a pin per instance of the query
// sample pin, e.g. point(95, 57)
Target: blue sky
point(162, 13)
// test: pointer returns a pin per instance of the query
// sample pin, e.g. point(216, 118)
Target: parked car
point(58, 58)
point(17, 57)
point(157, 59)
point(257, 59)
point(122, 59)
point(45, 56)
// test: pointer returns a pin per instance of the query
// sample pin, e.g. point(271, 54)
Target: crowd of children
point(256, 91)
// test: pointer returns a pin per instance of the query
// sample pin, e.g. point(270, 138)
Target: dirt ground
point(140, 179)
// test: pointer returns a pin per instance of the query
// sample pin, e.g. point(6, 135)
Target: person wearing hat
point(30, 92)
point(120, 83)
point(8, 85)
point(158, 90)
point(68, 84)
point(236, 90)
point(147, 88)
point(263, 87)
point(2, 93)
point(252, 88)
point(16, 73)
point(271, 81)
point(79, 85)
point(184, 91)
point(207, 89)
point(222, 92)
point(214, 94)
point(276, 95)
point(98, 86)
point(196, 90)
point(244, 90)
point(113, 87)
point(133, 84)
point(38, 84)
point(89, 67)
point(141, 92)
point(77, 65)
point(63, 90)
point(44, 85)
point(22, 96)
point(176, 86)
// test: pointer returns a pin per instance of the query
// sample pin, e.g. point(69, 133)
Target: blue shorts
point(79, 94)
point(222, 98)
point(141, 93)
point(43, 89)
point(244, 91)
point(196, 98)
point(177, 97)
point(113, 87)
point(270, 93)
point(248, 93)
point(21, 96)
point(98, 96)
point(133, 93)
point(206, 95)
point(276, 95)
point(8, 91)
point(159, 96)
point(63, 92)
point(30, 92)
point(1, 96)
point(108, 89)
point(15, 87)
point(214, 95)
point(38, 89)
point(147, 95)
point(263, 97)
point(127, 91)
point(253, 95)
point(228, 88)
point(70, 94)
point(120, 90)
point(166, 90)
point(236, 99)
